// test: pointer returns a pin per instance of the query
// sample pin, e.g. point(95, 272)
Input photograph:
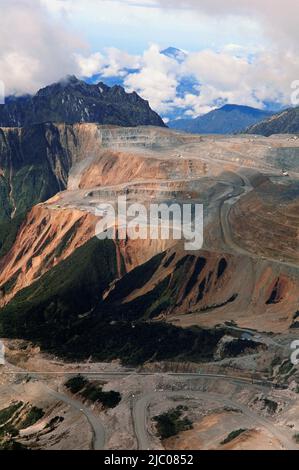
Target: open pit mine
point(115, 338)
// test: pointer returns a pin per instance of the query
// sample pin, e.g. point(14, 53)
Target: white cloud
point(238, 72)
point(231, 75)
point(91, 64)
point(35, 49)
point(217, 69)
point(277, 18)
point(225, 77)
point(157, 79)
point(39, 47)
point(117, 61)
point(113, 63)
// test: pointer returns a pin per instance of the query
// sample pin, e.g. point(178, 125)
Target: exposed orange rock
point(45, 239)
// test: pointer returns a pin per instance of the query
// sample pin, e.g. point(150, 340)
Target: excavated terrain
point(243, 274)
point(61, 288)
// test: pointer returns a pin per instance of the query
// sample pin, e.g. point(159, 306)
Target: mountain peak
point(242, 108)
point(70, 79)
point(174, 53)
point(72, 100)
point(228, 119)
point(232, 107)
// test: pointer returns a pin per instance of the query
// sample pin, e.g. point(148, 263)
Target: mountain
point(81, 297)
point(35, 163)
point(229, 119)
point(174, 53)
point(65, 312)
point(186, 84)
point(73, 101)
point(34, 166)
point(285, 122)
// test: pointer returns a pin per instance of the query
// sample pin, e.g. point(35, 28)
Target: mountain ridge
point(228, 119)
point(285, 122)
point(72, 101)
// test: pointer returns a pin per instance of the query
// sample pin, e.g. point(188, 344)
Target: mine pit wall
point(216, 287)
point(149, 137)
point(55, 149)
point(114, 168)
point(219, 286)
point(105, 152)
point(45, 239)
point(35, 250)
point(85, 140)
point(49, 236)
point(275, 220)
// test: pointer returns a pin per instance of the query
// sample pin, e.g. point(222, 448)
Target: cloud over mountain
point(35, 48)
point(230, 75)
point(47, 39)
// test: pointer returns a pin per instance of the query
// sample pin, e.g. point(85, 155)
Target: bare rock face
point(73, 100)
point(56, 272)
point(273, 210)
point(44, 240)
point(36, 162)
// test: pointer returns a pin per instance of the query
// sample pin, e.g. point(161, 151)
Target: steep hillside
point(85, 306)
point(64, 312)
point(286, 122)
point(34, 166)
point(35, 163)
point(64, 289)
point(227, 120)
point(73, 100)
point(43, 241)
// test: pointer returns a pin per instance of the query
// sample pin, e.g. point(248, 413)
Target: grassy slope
point(51, 307)
point(63, 311)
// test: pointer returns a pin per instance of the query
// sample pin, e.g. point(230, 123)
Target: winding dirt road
point(140, 414)
point(98, 430)
point(225, 208)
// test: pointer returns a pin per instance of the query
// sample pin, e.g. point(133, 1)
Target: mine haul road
point(140, 414)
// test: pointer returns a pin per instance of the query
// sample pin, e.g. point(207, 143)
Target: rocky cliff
point(73, 100)
point(76, 295)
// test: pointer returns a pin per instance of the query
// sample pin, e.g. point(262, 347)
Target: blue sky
point(237, 51)
point(133, 25)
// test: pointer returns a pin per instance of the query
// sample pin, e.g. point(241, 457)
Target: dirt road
point(225, 209)
point(140, 414)
point(98, 430)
